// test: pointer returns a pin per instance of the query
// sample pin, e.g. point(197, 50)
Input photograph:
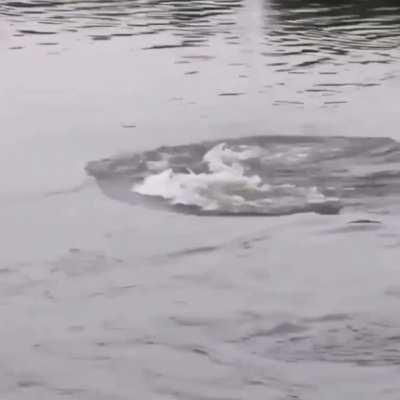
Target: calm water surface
point(242, 107)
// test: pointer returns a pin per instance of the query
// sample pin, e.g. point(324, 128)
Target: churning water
point(261, 175)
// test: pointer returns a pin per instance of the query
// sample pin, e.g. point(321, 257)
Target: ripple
point(111, 19)
point(352, 341)
point(310, 45)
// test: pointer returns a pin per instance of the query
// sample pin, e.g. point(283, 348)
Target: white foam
point(226, 187)
point(208, 191)
point(221, 158)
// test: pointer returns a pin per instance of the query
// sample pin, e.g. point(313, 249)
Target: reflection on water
point(329, 31)
point(341, 45)
point(103, 20)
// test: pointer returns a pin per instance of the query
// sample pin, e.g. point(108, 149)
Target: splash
point(258, 175)
point(226, 187)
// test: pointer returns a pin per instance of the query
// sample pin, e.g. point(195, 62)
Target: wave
point(259, 175)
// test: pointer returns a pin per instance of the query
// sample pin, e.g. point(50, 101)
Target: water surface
point(242, 107)
point(120, 76)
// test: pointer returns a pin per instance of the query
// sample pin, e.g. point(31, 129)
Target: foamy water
point(264, 175)
point(226, 187)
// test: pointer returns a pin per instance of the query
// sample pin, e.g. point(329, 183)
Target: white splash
point(225, 187)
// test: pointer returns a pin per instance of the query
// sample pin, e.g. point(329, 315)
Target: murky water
point(282, 110)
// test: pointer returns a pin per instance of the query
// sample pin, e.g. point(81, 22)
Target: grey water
point(262, 175)
point(134, 134)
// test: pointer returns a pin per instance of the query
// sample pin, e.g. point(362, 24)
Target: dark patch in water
point(32, 32)
point(192, 251)
point(328, 318)
point(365, 221)
point(29, 384)
point(283, 329)
point(354, 228)
point(225, 94)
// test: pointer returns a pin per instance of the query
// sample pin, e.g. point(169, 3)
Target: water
point(270, 175)
point(128, 127)
point(229, 69)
